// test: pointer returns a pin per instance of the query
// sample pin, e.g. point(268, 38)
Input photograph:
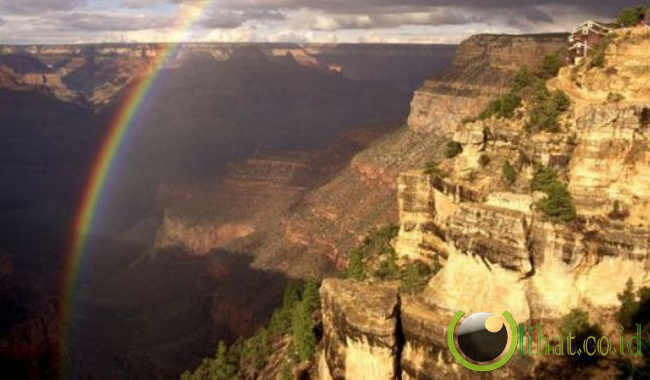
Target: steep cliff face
point(482, 69)
point(499, 249)
point(360, 323)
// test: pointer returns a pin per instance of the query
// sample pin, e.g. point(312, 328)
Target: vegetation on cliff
point(558, 204)
point(576, 323)
point(246, 358)
point(376, 260)
point(635, 308)
point(543, 107)
point(631, 16)
point(509, 172)
point(453, 149)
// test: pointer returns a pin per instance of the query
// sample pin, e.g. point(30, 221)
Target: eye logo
point(486, 341)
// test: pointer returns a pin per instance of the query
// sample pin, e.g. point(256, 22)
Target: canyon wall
point(94, 74)
point(482, 69)
point(498, 250)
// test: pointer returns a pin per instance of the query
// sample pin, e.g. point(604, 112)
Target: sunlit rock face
point(499, 251)
point(612, 160)
point(482, 69)
point(360, 324)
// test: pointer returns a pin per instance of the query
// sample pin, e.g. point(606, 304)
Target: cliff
point(499, 247)
point(482, 69)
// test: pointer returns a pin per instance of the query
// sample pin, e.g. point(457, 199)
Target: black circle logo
point(482, 337)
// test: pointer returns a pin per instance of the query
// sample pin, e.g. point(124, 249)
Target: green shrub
point(551, 65)
point(285, 373)
point(634, 309)
point(629, 306)
point(453, 149)
point(523, 79)
point(545, 108)
point(577, 324)
point(543, 179)
point(558, 204)
point(630, 16)
point(503, 107)
point(256, 350)
point(415, 276)
point(356, 269)
point(561, 100)
point(388, 269)
point(509, 172)
point(310, 295)
point(280, 322)
point(303, 338)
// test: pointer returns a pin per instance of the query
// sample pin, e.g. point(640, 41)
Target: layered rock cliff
point(482, 69)
point(499, 248)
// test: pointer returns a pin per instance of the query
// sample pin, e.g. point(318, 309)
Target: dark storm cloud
point(366, 14)
point(596, 7)
point(38, 6)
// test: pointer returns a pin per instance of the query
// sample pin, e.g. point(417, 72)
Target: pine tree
point(292, 294)
point(285, 373)
point(355, 269)
point(629, 306)
point(310, 296)
point(303, 335)
point(220, 368)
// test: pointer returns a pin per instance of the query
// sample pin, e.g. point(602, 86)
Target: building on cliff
point(584, 37)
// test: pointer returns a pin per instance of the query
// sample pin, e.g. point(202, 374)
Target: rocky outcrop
point(360, 325)
point(482, 69)
point(498, 249)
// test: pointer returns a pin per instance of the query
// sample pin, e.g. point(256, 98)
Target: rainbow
point(104, 160)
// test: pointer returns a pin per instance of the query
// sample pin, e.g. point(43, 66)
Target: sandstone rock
point(482, 69)
point(360, 323)
point(612, 160)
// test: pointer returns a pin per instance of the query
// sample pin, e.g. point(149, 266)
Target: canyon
point(229, 140)
point(229, 227)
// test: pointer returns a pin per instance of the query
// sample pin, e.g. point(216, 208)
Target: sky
point(302, 21)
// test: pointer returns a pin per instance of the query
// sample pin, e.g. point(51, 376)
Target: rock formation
point(94, 74)
point(481, 70)
point(498, 249)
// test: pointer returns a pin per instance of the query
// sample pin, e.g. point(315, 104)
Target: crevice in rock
point(400, 340)
point(645, 117)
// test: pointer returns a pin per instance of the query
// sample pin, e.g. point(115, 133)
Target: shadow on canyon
point(140, 312)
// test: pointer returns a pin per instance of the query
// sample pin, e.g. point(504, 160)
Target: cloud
point(293, 20)
point(88, 21)
point(39, 6)
point(232, 19)
point(334, 21)
point(595, 7)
